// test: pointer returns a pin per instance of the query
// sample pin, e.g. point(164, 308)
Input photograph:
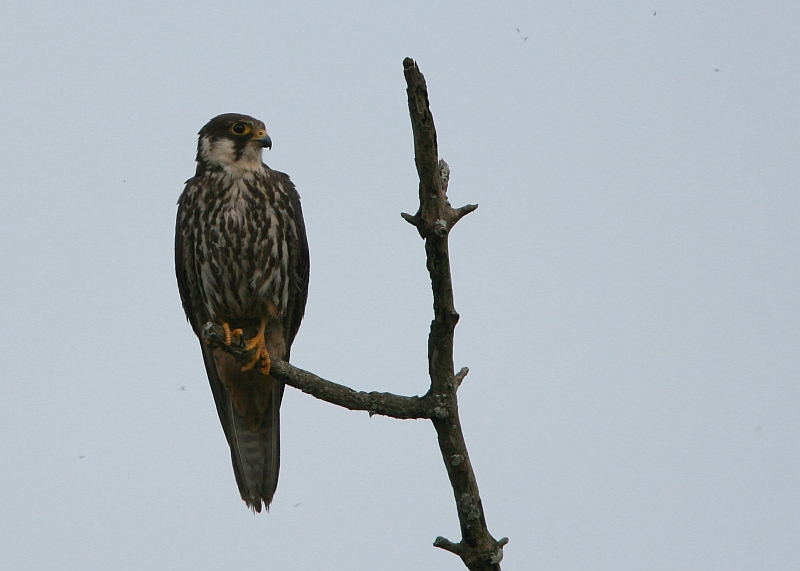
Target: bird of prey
point(241, 258)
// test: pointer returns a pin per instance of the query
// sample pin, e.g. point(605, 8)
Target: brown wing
point(298, 268)
point(191, 300)
point(188, 286)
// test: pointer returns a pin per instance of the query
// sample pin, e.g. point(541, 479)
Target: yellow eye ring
point(240, 129)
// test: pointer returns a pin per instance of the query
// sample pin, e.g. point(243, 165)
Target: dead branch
point(386, 404)
point(435, 218)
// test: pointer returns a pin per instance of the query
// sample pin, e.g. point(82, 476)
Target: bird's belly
point(243, 274)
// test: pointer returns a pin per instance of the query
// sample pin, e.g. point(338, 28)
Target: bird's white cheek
point(219, 152)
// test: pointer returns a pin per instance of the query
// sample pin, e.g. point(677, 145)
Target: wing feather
point(298, 268)
point(184, 259)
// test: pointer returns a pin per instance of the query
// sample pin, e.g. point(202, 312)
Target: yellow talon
point(261, 356)
point(229, 333)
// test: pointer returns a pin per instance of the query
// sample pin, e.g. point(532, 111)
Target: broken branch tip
point(447, 545)
point(459, 378)
point(410, 218)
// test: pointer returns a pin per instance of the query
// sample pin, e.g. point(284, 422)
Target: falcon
point(241, 258)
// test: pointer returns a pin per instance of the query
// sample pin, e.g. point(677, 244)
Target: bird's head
point(233, 142)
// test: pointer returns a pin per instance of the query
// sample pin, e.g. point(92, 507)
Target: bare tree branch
point(434, 219)
point(385, 404)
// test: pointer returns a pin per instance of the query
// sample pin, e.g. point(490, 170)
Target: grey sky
point(628, 287)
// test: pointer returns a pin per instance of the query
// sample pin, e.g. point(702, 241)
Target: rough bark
point(434, 219)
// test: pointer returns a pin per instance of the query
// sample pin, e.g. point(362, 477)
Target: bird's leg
point(229, 333)
point(261, 356)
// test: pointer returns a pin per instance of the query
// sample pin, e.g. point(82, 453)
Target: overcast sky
point(628, 288)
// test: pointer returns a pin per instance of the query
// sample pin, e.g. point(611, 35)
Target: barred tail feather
point(255, 454)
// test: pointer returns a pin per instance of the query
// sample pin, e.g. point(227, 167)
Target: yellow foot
point(261, 356)
point(229, 333)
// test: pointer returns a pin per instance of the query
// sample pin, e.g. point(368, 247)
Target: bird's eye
point(240, 128)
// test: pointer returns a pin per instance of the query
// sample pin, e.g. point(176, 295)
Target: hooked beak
point(263, 139)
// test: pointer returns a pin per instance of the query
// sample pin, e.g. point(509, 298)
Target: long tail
point(256, 456)
point(248, 405)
